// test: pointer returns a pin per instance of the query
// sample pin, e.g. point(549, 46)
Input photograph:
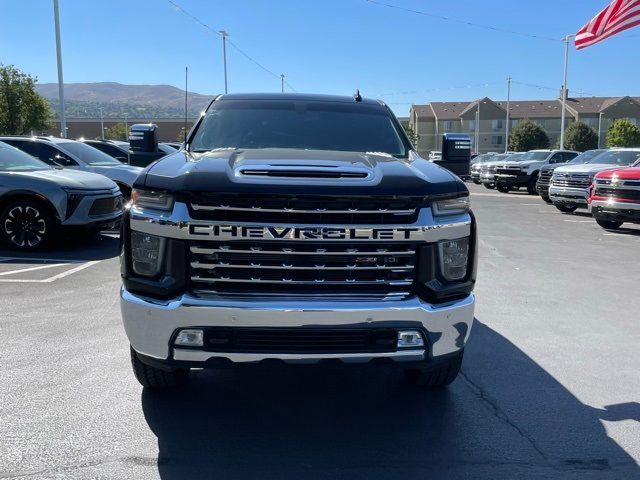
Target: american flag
point(617, 17)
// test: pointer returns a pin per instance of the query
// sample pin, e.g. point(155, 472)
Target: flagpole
point(564, 89)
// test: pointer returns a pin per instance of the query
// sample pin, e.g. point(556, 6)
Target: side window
point(569, 156)
point(557, 158)
point(26, 146)
point(53, 156)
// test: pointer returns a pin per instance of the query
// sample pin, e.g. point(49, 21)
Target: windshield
point(485, 157)
point(533, 156)
point(14, 160)
point(516, 157)
point(88, 154)
point(620, 158)
point(585, 157)
point(307, 125)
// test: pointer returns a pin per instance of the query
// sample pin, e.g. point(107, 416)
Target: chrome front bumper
point(576, 196)
point(150, 324)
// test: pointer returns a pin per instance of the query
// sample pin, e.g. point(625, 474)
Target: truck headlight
point(150, 199)
point(451, 206)
point(454, 258)
point(146, 254)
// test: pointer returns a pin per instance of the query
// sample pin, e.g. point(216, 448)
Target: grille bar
point(406, 281)
point(406, 268)
point(290, 251)
point(213, 208)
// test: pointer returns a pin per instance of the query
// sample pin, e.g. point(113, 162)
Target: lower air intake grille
point(300, 340)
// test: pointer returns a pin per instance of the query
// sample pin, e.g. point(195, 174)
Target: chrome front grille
point(250, 268)
point(571, 180)
point(545, 177)
point(305, 209)
point(508, 170)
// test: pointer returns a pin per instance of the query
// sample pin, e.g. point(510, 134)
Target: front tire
point(546, 199)
point(490, 186)
point(154, 378)
point(566, 208)
point(502, 188)
point(435, 378)
point(609, 224)
point(477, 182)
point(26, 225)
point(531, 186)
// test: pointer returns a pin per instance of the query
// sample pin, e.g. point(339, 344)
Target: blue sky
point(324, 46)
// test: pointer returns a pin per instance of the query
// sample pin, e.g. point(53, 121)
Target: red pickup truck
point(615, 197)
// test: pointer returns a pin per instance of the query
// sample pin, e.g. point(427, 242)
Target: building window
point(448, 125)
point(496, 124)
point(514, 123)
point(472, 125)
point(496, 140)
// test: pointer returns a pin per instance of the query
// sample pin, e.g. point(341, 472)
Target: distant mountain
point(84, 100)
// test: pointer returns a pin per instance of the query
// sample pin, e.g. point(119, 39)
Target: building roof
point(523, 108)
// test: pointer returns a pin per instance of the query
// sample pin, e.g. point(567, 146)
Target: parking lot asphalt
point(549, 385)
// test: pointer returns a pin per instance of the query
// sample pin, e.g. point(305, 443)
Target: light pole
point(224, 57)
point(600, 128)
point(564, 88)
point(506, 143)
point(477, 132)
point(63, 120)
point(101, 124)
point(282, 82)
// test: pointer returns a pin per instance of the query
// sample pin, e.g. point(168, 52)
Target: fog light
point(146, 254)
point(410, 338)
point(190, 338)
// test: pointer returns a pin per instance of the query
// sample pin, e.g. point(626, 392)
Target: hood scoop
point(318, 172)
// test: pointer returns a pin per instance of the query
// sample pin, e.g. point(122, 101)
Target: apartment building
point(432, 120)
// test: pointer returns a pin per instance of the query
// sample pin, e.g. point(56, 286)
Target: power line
point(464, 22)
point(236, 47)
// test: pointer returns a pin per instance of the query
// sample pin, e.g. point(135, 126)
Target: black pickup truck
point(297, 229)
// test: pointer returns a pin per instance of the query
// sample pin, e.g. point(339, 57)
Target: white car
point(569, 189)
point(78, 156)
point(523, 171)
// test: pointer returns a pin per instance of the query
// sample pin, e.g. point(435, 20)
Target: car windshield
point(620, 158)
point(14, 160)
point(298, 124)
point(533, 156)
point(516, 157)
point(585, 157)
point(482, 158)
point(88, 154)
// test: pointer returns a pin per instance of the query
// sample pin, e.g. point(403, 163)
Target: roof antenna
point(357, 96)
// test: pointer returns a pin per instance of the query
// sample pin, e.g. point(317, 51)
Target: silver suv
point(36, 199)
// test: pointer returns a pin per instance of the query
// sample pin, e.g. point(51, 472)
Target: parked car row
point(604, 181)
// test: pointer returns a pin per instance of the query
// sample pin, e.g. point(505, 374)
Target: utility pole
point(101, 124)
point(63, 120)
point(224, 56)
point(600, 128)
point(564, 89)
point(506, 143)
point(282, 81)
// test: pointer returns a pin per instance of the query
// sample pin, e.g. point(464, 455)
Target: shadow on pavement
point(76, 248)
point(504, 417)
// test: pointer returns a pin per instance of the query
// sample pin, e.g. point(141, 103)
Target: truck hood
point(297, 172)
point(624, 173)
point(68, 178)
point(126, 174)
point(584, 168)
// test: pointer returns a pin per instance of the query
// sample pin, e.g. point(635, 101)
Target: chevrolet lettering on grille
point(225, 232)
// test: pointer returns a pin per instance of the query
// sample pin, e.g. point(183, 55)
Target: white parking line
point(50, 279)
point(579, 221)
point(31, 269)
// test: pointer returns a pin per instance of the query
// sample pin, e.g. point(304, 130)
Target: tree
point(623, 133)
point(22, 110)
point(117, 132)
point(182, 134)
point(528, 136)
point(580, 137)
point(413, 136)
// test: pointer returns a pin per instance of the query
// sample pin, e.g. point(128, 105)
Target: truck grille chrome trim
point(212, 208)
point(407, 281)
point(407, 268)
point(324, 251)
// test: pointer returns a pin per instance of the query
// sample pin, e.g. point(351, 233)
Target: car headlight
point(454, 258)
point(451, 206)
point(151, 199)
point(146, 254)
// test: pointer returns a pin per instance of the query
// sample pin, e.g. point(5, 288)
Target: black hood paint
point(213, 172)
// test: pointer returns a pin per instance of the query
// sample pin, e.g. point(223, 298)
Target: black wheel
point(546, 199)
point(26, 224)
point(477, 182)
point(531, 186)
point(609, 224)
point(566, 208)
point(435, 378)
point(490, 186)
point(155, 378)
point(501, 187)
